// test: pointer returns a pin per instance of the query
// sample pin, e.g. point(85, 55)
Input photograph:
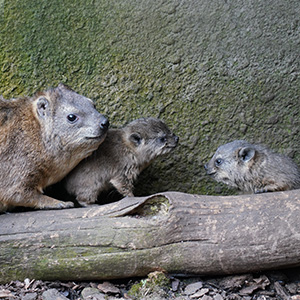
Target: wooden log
point(174, 232)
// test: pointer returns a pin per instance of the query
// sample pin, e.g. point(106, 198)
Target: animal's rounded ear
point(135, 138)
point(43, 107)
point(61, 86)
point(246, 154)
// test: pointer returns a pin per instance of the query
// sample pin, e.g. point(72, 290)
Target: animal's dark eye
point(135, 138)
point(163, 139)
point(72, 118)
point(218, 162)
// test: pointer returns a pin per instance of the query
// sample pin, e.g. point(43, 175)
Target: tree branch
point(175, 232)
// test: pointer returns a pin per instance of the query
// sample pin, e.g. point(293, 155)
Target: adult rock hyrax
point(41, 139)
point(253, 168)
point(120, 159)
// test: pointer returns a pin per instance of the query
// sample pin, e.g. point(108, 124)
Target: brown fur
point(39, 144)
point(253, 168)
point(120, 159)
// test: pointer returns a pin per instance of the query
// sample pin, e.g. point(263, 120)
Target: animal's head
point(69, 120)
point(232, 162)
point(149, 138)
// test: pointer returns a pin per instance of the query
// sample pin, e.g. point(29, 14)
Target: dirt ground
point(281, 285)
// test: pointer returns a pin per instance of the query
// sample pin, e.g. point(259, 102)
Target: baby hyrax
point(120, 159)
point(41, 139)
point(253, 168)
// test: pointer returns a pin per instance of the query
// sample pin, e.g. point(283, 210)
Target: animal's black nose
point(104, 124)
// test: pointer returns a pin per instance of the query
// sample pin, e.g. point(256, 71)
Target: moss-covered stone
point(214, 71)
point(154, 287)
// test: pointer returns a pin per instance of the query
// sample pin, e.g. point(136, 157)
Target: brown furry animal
point(120, 159)
point(41, 139)
point(253, 168)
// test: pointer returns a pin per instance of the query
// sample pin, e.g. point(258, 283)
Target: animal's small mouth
point(171, 146)
point(211, 173)
point(98, 137)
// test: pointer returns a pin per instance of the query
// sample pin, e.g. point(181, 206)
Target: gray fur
point(120, 159)
point(252, 167)
point(39, 144)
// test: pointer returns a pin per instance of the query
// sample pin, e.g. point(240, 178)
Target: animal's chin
point(168, 148)
point(216, 176)
point(99, 137)
point(228, 182)
point(92, 143)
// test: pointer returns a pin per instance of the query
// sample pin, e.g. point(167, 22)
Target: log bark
point(174, 232)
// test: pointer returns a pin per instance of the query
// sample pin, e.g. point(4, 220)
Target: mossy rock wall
point(214, 70)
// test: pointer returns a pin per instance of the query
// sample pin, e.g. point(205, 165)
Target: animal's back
point(280, 171)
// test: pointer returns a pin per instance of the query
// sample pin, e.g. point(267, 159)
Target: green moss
point(156, 283)
point(135, 290)
point(142, 59)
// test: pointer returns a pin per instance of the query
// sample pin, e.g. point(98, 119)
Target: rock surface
point(273, 285)
point(215, 71)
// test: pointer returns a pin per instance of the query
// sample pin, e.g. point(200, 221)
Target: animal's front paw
point(50, 203)
point(83, 203)
point(63, 204)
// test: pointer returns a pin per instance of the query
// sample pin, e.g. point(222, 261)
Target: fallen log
point(174, 232)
